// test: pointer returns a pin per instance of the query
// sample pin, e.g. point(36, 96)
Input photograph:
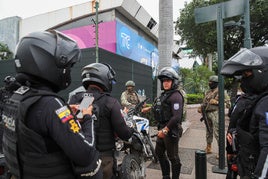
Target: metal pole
point(97, 31)
point(247, 38)
point(200, 164)
point(220, 50)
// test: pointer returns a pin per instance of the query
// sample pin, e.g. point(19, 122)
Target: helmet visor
point(242, 60)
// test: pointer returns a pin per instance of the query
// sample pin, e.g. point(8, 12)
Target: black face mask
point(212, 85)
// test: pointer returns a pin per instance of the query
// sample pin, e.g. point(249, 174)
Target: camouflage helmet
point(130, 83)
point(214, 78)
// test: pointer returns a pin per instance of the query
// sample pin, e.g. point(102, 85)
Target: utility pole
point(166, 33)
point(247, 40)
point(97, 30)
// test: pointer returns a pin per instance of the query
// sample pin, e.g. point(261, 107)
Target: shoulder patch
point(64, 114)
point(176, 106)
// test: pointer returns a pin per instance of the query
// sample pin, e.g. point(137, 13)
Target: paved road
point(193, 139)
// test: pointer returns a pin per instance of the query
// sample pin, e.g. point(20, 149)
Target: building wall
point(126, 69)
point(129, 12)
point(9, 32)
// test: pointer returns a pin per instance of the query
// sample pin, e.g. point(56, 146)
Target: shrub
point(194, 98)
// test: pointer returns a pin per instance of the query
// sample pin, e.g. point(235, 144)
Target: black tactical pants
point(167, 151)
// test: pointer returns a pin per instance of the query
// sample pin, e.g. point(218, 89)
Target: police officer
point(41, 132)
point(10, 85)
point(97, 79)
point(242, 107)
point(210, 105)
point(168, 112)
point(251, 65)
point(129, 98)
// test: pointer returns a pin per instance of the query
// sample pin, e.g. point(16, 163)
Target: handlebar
point(137, 108)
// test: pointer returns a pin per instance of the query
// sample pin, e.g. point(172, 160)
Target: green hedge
point(194, 98)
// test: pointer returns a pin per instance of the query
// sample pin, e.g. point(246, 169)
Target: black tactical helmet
point(9, 79)
point(255, 60)
point(169, 73)
point(130, 83)
point(47, 55)
point(11, 83)
point(98, 73)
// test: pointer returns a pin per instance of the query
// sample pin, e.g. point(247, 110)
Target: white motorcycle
point(138, 150)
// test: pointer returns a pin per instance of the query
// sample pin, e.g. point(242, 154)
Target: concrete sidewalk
point(193, 139)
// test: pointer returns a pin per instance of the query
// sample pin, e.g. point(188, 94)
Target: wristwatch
point(164, 131)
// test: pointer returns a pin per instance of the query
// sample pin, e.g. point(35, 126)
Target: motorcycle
point(137, 151)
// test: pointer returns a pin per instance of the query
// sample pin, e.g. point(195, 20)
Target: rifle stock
point(205, 118)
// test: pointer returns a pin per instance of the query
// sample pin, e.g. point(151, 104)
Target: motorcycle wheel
point(130, 167)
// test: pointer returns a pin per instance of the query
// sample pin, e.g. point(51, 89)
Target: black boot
point(165, 168)
point(176, 169)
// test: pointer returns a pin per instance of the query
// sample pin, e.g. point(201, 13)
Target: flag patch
point(64, 114)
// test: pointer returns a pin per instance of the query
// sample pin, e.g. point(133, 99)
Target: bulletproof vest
point(35, 162)
point(248, 143)
point(162, 109)
point(4, 96)
point(132, 98)
point(210, 95)
point(105, 140)
point(103, 128)
point(243, 111)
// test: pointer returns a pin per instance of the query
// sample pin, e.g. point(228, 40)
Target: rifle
point(205, 118)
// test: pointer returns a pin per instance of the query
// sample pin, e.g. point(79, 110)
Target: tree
point(203, 37)
point(5, 53)
point(196, 80)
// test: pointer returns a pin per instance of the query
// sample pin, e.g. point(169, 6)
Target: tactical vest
point(132, 98)
point(105, 140)
point(35, 163)
point(104, 135)
point(210, 95)
point(162, 109)
point(248, 144)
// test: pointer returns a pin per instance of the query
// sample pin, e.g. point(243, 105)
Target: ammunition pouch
point(211, 108)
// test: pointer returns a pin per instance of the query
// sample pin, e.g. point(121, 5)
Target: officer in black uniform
point(168, 112)
point(10, 85)
point(251, 66)
point(240, 114)
point(42, 134)
point(98, 79)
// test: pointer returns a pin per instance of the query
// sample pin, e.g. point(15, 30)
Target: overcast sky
point(28, 8)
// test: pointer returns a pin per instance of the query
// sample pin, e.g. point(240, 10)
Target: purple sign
point(85, 36)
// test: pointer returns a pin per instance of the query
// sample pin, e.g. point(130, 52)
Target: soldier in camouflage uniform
point(129, 97)
point(211, 108)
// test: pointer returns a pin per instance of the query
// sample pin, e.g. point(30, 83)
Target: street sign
point(229, 9)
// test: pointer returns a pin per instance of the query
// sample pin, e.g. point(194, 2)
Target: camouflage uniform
point(211, 106)
point(181, 90)
point(129, 99)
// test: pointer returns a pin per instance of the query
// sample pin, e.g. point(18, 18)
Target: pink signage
point(85, 36)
